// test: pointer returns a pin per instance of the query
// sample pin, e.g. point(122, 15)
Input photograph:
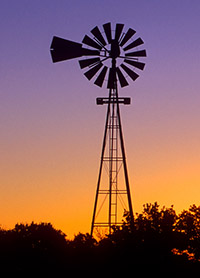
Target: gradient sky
point(51, 129)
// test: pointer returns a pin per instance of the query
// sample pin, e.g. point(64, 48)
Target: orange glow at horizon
point(61, 190)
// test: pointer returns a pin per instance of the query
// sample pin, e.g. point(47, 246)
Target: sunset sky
point(52, 130)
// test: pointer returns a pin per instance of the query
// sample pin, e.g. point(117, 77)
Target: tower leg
point(101, 165)
point(124, 161)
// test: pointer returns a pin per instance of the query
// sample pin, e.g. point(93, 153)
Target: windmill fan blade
point(107, 29)
point(95, 31)
point(127, 36)
point(135, 64)
point(88, 62)
point(87, 40)
point(62, 49)
point(111, 79)
point(121, 77)
point(90, 73)
point(140, 53)
point(137, 42)
point(130, 72)
point(100, 78)
point(118, 31)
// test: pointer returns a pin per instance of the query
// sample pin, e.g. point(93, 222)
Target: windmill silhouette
point(109, 57)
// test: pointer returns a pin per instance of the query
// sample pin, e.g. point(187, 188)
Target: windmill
point(110, 56)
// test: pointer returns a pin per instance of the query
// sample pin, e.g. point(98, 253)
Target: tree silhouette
point(153, 236)
point(158, 239)
point(33, 247)
point(188, 224)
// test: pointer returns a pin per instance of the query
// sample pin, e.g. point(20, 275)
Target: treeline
point(158, 241)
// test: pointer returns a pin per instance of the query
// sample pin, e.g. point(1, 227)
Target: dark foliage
point(158, 241)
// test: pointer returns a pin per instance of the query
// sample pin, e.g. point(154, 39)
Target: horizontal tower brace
point(105, 224)
point(107, 100)
point(113, 191)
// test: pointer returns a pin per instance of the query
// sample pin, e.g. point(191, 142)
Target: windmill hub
point(109, 62)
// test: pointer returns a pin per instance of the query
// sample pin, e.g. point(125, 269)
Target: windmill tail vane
point(110, 56)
